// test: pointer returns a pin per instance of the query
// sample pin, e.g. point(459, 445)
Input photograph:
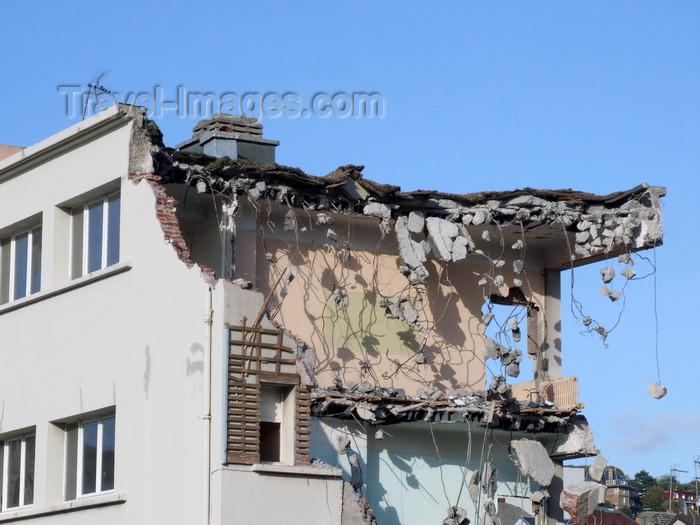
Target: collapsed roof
point(595, 226)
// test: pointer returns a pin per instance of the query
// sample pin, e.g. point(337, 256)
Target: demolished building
point(225, 339)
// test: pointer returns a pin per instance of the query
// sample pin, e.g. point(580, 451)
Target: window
point(269, 410)
point(95, 235)
point(276, 428)
point(20, 264)
point(17, 460)
point(89, 457)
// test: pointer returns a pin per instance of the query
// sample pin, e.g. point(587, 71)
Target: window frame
point(32, 270)
point(283, 408)
point(259, 360)
point(80, 255)
point(22, 478)
point(74, 458)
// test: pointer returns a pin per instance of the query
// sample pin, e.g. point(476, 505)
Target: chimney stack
point(231, 136)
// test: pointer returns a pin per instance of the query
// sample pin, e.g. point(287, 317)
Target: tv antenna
point(96, 89)
point(670, 496)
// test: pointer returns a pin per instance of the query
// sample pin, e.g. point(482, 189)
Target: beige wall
point(449, 306)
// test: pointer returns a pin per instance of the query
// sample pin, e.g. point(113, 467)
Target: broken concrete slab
point(411, 253)
point(581, 499)
point(489, 479)
point(597, 468)
point(440, 235)
point(475, 486)
point(532, 460)
point(356, 509)
point(289, 221)
point(416, 222)
point(579, 440)
point(377, 209)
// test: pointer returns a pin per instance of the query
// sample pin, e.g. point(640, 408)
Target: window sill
point(66, 287)
point(296, 470)
point(69, 506)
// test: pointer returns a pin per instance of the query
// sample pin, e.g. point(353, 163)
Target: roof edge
point(96, 124)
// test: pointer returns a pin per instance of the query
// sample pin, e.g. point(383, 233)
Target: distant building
point(6, 151)
point(619, 490)
point(686, 499)
point(603, 516)
point(650, 517)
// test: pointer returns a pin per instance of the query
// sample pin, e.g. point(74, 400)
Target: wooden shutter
point(259, 355)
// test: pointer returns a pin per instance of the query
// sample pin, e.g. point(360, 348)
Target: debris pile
point(378, 405)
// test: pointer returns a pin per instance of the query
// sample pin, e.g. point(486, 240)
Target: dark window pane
point(89, 457)
point(77, 240)
point(2, 470)
point(29, 448)
point(107, 454)
point(21, 246)
point(71, 460)
point(5, 258)
point(36, 260)
point(269, 441)
point(13, 466)
point(95, 220)
point(113, 230)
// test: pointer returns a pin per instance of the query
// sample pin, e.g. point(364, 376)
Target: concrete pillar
point(555, 514)
point(549, 361)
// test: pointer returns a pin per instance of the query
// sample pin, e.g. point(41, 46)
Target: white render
point(134, 337)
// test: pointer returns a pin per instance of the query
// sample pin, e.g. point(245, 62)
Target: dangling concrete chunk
point(440, 235)
point(532, 460)
point(412, 253)
point(489, 480)
point(581, 499)
point(377, 209)
point(597, 468)
point(474, 486)
point(656, 390)
point(416, 222)
point(608, 274)
point(456, 516)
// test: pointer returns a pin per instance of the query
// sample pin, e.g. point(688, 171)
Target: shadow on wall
point(366, 323)
point(409, 478)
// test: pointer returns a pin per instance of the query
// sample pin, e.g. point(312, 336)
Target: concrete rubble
point(449, 227)
point(533, 460)
point(579, 439)
point(475, 486)
point(656, 390)
point(356, 509)
point(489, 479)
point(581, 499)
point(597, 468)
point(456, 516)
point(489, 515)
point(385, 406)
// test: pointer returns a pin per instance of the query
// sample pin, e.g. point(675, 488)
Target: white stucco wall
point(134, 340)
point(294, 497)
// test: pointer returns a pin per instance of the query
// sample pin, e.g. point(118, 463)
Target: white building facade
point(151, 372)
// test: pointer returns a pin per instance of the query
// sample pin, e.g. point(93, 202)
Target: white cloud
point(635, 434)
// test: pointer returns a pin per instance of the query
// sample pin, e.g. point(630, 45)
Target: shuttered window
point(269, 410)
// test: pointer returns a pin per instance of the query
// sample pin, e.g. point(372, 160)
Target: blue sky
point(477, 96)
